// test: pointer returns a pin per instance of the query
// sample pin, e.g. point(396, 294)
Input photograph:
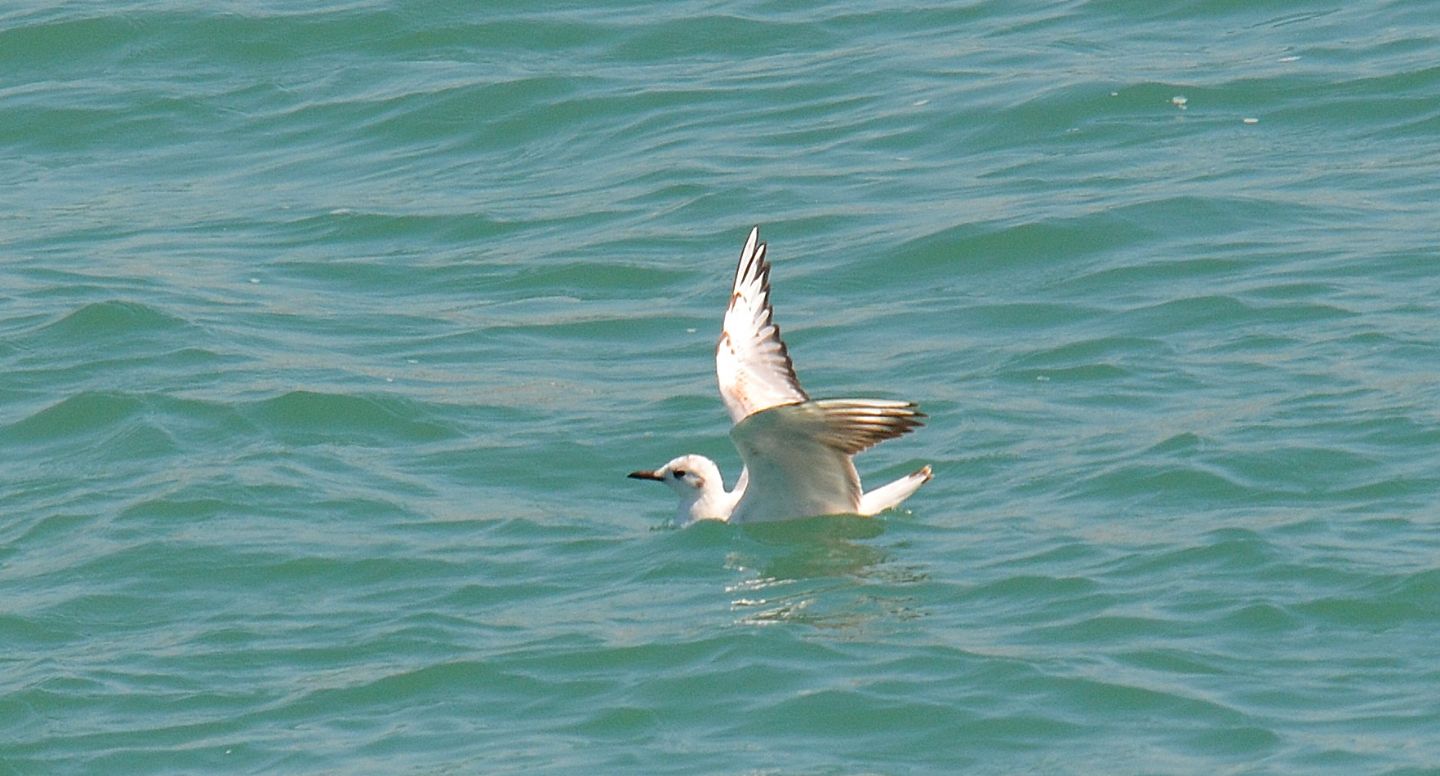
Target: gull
point(797, 451)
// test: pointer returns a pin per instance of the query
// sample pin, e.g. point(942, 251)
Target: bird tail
point(891, 495)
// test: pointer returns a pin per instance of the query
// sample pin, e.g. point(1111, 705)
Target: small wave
point(311, 417)
point(112, 321)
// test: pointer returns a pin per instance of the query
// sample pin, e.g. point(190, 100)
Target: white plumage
point(797, 451)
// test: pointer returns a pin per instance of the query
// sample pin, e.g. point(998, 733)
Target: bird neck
point(712, 502)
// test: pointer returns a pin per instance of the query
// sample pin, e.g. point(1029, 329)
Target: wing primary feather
point(855, 425)
point(752, 362)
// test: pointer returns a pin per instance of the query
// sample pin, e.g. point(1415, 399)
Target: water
point(328, 336)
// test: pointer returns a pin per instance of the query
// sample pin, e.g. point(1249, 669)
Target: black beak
point(645, 476)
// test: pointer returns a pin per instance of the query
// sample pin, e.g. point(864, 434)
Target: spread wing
point(798, 455)
point(751, 361)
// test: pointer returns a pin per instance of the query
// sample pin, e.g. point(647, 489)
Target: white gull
point(796, 450)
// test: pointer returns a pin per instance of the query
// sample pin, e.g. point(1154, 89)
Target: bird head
point(696, 480)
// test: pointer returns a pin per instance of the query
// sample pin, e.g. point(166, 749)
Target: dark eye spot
point(678, 473)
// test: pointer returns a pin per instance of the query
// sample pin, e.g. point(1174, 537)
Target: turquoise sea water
point(328, 335)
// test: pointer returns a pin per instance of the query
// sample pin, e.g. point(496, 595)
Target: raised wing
point(751, 361)
point(798, 455)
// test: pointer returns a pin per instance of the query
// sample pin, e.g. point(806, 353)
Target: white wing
point(798, 455)
point(751, 361)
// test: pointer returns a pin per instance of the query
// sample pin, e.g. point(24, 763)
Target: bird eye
point(678, 473)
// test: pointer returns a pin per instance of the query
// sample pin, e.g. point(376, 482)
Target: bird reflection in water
point(816, 572)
